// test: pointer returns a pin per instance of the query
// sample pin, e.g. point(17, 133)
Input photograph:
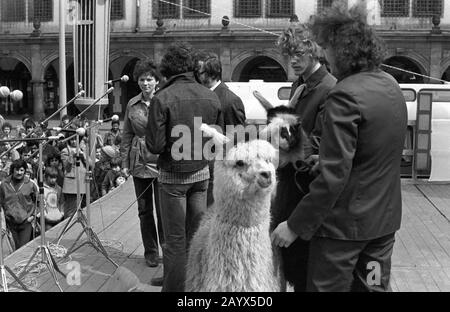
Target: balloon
point(4, 92)
point(16, 96)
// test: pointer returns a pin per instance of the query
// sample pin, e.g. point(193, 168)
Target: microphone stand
point(85, 221)
point(44, 121)
point(42, 249)
point(70, 224)
point(84, 111)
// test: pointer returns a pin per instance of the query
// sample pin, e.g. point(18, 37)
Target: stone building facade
point(241, 32)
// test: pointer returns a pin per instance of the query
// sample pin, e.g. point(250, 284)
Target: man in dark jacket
point(173, 131)
point(209, 74)
point(354, 206)
point(308, 96)
point(17, 198)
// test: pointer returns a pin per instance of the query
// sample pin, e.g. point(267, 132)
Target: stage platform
point(421, 260)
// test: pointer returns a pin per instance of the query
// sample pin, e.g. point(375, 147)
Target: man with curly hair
point(179, 104)
point(307, 99)
point(354, 206)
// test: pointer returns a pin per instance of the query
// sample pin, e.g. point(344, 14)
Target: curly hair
point(17, 164)
point(356, 45)
point(177, 60)
point(29, 123)
point(212, 65)
point(299, 39)
point(6, 125)
point(146, 66)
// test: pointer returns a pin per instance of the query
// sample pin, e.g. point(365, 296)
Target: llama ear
point(264, 102)
point(218, 137)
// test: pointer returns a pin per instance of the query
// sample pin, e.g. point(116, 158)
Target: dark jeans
point(340, 266)
point(182, 207)
point(21, 233)
point(144, 192)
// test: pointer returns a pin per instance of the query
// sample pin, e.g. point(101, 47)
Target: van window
point(409, 94)
point(284, 93)
point(438, 95)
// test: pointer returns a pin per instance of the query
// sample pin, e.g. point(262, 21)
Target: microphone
point(79, 131)
point(81, 93)
point(56, 137)
point(112, 118)
point(124, 78)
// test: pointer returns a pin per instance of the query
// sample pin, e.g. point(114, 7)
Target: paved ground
point(420, 263)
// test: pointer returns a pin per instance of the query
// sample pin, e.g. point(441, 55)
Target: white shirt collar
point(216, 85)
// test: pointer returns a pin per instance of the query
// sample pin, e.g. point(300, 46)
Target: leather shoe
point(157, 281)
point(152, 262)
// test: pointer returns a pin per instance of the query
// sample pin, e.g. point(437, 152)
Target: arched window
point(395, 8)
point(41, 9)
point(247, 8)
point(325, 4)
point(280, 8)
point(13, 10)
point(203, 6)
point(166, 10)
point(117, 10)
point(427, 8)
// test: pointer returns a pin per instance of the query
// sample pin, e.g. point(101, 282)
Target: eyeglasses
point(299, 54)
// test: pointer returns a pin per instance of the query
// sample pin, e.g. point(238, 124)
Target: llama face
point(285, 132)
point(248, 170)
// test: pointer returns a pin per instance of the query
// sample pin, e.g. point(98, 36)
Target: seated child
point(107, 153)
point(53, 199)
point(120, 179)
point(54, 160)
point(111, 175)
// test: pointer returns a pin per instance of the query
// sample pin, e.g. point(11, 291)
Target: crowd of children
point(59, 169)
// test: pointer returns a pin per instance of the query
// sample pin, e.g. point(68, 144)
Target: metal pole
point(62, 56)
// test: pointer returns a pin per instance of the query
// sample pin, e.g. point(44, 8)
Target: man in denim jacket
point(180, 104)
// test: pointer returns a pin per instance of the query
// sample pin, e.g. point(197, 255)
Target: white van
point(277, 93)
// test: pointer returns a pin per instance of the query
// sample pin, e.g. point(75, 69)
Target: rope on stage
point(126, 210)
point(30, 280)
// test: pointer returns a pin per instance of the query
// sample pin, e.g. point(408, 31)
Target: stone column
point(225, 59)
point(38, 98)
point(37, 73)
point(436, 57)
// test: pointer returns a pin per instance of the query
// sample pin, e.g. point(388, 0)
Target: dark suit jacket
point(357, 195)
point(311, 102)
point(232, 107)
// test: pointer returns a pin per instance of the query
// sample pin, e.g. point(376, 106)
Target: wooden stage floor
point(421, 260)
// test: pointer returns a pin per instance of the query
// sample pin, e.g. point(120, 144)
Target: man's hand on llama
point(283, 236)
point(313, 160)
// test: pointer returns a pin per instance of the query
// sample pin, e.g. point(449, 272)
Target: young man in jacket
point(17, 199)
point(209, 73)
point(354, 206)
point(181, 103)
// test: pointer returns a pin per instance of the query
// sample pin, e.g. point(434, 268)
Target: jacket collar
point(313, 80)
point(184, 77)
point(136, 99)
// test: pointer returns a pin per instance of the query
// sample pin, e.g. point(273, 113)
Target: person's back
point(354, 206)
point(372, 196)
point(176, 114)
point(187, 105)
